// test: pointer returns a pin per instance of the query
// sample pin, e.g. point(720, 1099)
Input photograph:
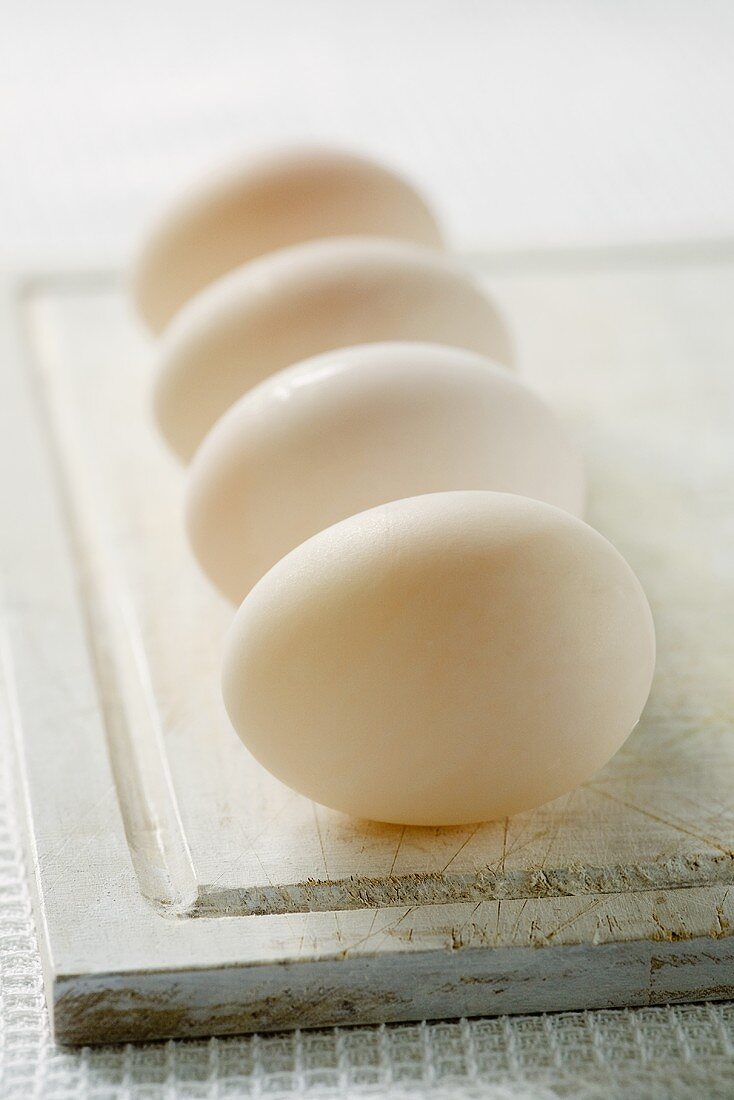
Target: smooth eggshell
point(358, 427)
point(302, 301)
point(444, 659)
point(267, 203)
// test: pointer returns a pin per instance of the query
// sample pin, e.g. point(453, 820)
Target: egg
point(358, 427)
point(299, 302)
point(266, 203)
point(444, 659)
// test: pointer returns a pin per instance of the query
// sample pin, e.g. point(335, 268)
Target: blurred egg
point(445, 659)
point(302, 301)
point(358, 427)
point(266, 203)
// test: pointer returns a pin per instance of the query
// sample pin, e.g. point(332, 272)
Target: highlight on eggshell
point(305, 300)
point(361, 426)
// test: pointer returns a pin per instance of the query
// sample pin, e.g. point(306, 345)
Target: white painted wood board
point(180, 890)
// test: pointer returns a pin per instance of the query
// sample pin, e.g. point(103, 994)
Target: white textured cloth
point(531, 124)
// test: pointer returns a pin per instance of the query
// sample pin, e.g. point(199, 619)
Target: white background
point(530, 123)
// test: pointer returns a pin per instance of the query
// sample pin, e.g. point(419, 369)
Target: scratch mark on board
point(574, 918)
point(462, 846)
point(397, 849)
point(676, 826)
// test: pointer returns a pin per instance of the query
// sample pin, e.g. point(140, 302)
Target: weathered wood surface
point(148, 813)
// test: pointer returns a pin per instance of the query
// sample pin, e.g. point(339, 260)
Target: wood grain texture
point(147, 813)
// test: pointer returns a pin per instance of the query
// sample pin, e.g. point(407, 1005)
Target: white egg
point(449, 658)
point(265, 203)
point(358, 427)
point(305, 300)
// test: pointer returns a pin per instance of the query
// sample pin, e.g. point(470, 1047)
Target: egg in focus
point(445, 659)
